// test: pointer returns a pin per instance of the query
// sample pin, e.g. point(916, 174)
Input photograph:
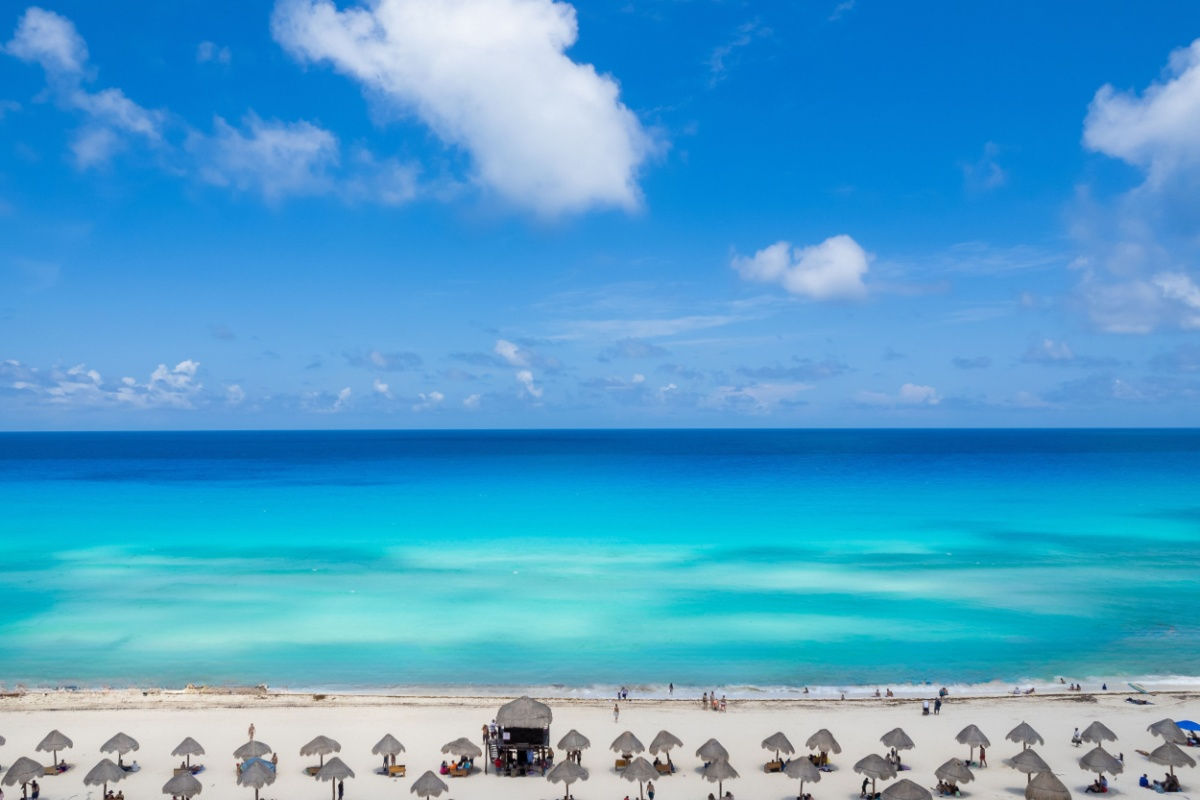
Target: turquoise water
point(763, 558)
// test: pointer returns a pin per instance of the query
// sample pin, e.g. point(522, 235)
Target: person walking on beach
point(251, 731)
point(937, 706)
point(982, 756)
point(341, 789)
point(650, 789)
point(616, 711)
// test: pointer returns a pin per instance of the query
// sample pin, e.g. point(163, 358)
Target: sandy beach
point(159, 720)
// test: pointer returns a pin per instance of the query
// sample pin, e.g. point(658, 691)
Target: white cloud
point(986, 173)
point(525, 378)
point(830, 270)
point(471, 401)
point(426, 401)
point(910, 394)
point(234, 394)
point(343, 397)
point(511, 353)
point(1049, 350)
point(756, 397)
point(1156, 130)
point(1182, 289)
point(271, 158)
point(381, 388)
point(490, 76)
point(210, 51)
point(718, 60)
point(50, 40)
point(81, 386)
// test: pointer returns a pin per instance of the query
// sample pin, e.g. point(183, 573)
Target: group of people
point(877, 694)
point(946, 789)
point(710, 702)
point(111, 795)
point(937, 706)
point(893, 758)
point(1098, 786)
point(1169, 783)
point(462, 763)
point(658, 764)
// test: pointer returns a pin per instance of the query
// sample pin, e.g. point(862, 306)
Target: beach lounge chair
point(621, 763)
point(459, 772)
point(397, 770)
point(312, 771)
point(773, 766)
point(663, 769)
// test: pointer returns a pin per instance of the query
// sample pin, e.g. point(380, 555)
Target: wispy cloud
point(721, 58)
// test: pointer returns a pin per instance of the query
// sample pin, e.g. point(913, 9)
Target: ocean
point(758, 561)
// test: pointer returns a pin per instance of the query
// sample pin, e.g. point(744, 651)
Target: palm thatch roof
point(256, 776)
point(122, 743)
point(1045, 786)
point(627, 743)
point(524, 712)
point(954, 771)
point(429, 785)
point(904, 789)
point(824, 742)
point(104, 773)
point(1097, 733)
point(664, 742)
point(574, 740)
point(1029, 762)
point(188, 747)
point(1100, 760)
point(55, 740)
point(321, 746)
point(973, 737)
point(875, 767)
point(898, 739)
point(462, 747)
point(712, 750)
point(1024, 734)
point(566, 772)
point(182, 785)
point(252, 749)
point(387, 746)
point(639, 770)
point(22, 771)
point(778, 743)
point(802, 769)
point(1168, 730)
point(334, 770)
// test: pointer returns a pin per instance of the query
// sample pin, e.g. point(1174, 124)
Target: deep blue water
point(735, 557)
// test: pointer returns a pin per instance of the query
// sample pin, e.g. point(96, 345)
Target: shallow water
point(758, 558)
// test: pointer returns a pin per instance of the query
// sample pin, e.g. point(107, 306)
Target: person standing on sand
point(937, 706)
point(616, 711)
point(341, 789)
point(650, 789)
point(251, 731)
point(982, 756)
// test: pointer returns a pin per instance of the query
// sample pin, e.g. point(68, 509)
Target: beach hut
point(823, 742)
point(1100, 761)
point(1025, 735)
point(188, 747)
point(779, 743)
point(522, 736)
point(335, 772)
point(566, 773)
point(1169, 755)
point(663, 743)
point(804, 770)
point(712, 750)
point(574, 743)
point(182, 785)
point(103, 774)
point(255, 775)
point(718, 772)
point(904, 789)
point(1029, 762)
point(22, 771)
point(972, 737)
point(389, 747)
point(55, 740)
point(252, 749)
point(320, 746)
point(428, 785)
point(955, 772)
point(897, 739)
point(120, 744)
point(1097, 733)
point(640, 770)
point(875, 767)
point(1045, 786)
point(1169, 731)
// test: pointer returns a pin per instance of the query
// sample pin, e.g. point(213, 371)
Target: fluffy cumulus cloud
point(528, 386)
point(1137, 271)
point(82, 387)
point(833, 269)
point(910, 394)
point(51, 41)
point(491, 77)
point(272, 158)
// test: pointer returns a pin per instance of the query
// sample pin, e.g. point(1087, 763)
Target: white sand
point(159, 720)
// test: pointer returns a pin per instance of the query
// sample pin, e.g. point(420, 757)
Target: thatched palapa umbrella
point(663, 743)
point(779, 743)
point(1168, 754)
point(566, 772)
point(321, 746)
point(712, 750)
point(463, 748)
point(574, 743)
point(188, 747)
point(897, 739)
point(640, 770)
point(1169, 731)
point(388, 746)
point(904, 789)
point(823, 742)
point(252, 749)
point(718, 772)
point(103, 774)
point(1045, 786)
point(256, 776)
point(429, 785)
point(954, 771)
point(120, 744)
point(22, 771)
point(1097, 733)
point(1025, 735)
point(335, 772)
point(875, 767)
point(55, 740)
point(627, 744)
point(972, 737)
point(1029, 762)
point(804, 770)
point(1100, 761)
point(182, 785)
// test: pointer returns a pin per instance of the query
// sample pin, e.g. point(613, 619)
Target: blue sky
point(493, 213)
